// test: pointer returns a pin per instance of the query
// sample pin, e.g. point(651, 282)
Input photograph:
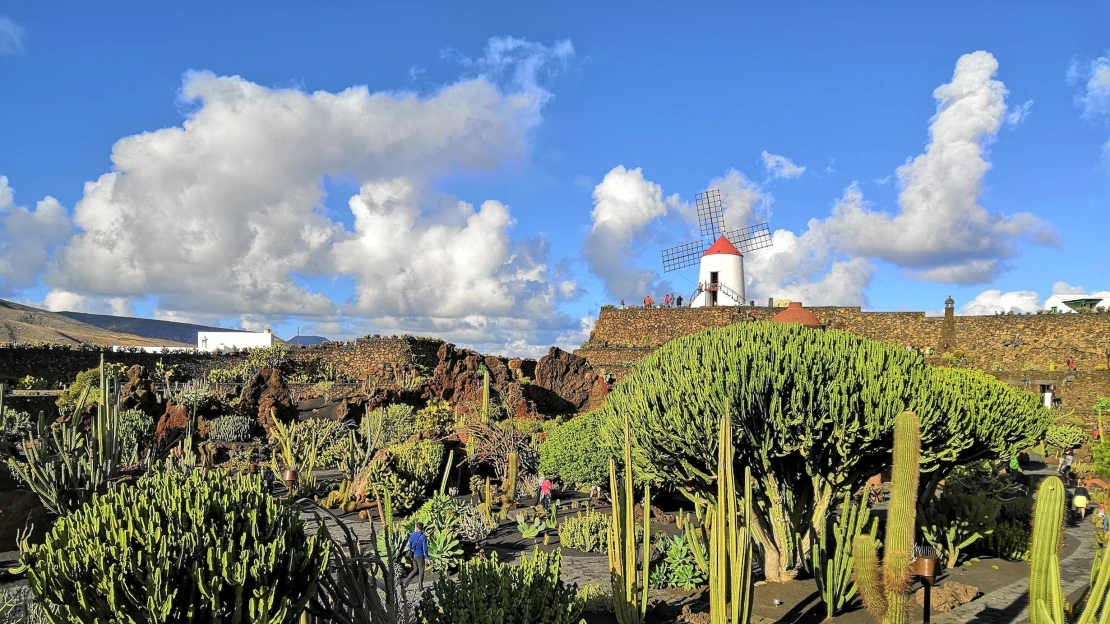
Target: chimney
point(267, 330)
point(770, 302)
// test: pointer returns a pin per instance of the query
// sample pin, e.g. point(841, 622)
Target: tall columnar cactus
point(885, 590)
point(832, 567)
point(1046, 595)
point(627, 607)
point(485, 394)
point(730, 543)
point(70, 463)
point(446, 472)
point(511, 476)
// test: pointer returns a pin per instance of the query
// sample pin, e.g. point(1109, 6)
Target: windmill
point(720, 254)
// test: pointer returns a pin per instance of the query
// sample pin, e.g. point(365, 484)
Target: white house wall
point(211, 341)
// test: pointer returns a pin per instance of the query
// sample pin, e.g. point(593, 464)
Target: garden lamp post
point(925, 567)
point(290, 478)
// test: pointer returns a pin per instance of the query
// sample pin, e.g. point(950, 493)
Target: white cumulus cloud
point(1093, 77)
point(995, 301)
point(26, 238)
point(223, 215)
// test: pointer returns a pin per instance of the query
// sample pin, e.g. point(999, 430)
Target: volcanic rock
point(17, 509)
point(267, 396)
point(139, 392)
point(565, 383)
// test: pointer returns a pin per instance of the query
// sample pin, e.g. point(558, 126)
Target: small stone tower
point(948, 329)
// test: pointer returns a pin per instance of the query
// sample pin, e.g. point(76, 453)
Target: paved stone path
point(1010, 604)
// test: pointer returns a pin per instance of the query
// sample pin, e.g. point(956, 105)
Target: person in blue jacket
point(418, 546)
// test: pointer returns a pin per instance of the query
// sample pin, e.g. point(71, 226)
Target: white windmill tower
point(721, 274)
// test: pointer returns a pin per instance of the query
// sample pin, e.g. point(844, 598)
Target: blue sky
point(547, 103)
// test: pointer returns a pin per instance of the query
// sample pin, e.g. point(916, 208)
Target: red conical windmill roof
point(722, 246)
point(795, 313)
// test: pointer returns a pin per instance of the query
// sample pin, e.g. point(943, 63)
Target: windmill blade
point(711, 212)
point(682, 256)
point(751, 238)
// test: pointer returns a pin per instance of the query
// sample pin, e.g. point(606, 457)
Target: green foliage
point(436, 417)
point(572, 452)
point(955, 520)
point(175, 548)
point(323, 438)
point(378, 479)
point(832, 569)
point(1010, 541)
point(676, 567)
point(444, 551)
point(69, 463)
point(136, 433)
point(15, 426)
point(1065, 436)
point(730, 542)
point(528, 530)
point(418, 461)
point(193, 395)
point(231, 428)
point(30, 382)
point(885, 590)
point(1101, 406)
point(813, 414)
point(90, 379)
point(441, 511)
point(586, 531)
point(596, 598)
point(389, 425)
point(627, 606)
point(490, 592)
point(1018, 511)
point(223, 375)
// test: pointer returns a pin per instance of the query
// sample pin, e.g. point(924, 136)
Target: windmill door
point(712, 288)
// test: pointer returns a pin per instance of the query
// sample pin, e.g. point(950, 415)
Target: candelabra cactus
point(1046, 595)
point(627, 608)
point(885, 590)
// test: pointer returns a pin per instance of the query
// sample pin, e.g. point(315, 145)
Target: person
point(545, 491)
point(1096, 433)
point(667, 300)
point(622, 304)
point(418, 547)
point(1104, 520)
point(678, 302)
point(595, 492)
point(647, 301)
point(1071, 365)
point(1069, 459)
point(1079, 500)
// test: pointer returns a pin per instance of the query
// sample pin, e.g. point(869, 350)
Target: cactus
point(68, 465)
point(955, 520)
point(446, 472)
point(627, 608)
point(489, 495)
point(174, 548)
point(485, 394)
point(1046, 596)
point(833, 570)
point(885, 591)
point(511, 476)
point(730, 544)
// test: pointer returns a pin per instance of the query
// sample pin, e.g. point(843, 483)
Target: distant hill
point(307, 340)
point(147, 328)
point(21, 324)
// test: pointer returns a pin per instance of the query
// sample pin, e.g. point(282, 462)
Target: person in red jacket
point(648, 301)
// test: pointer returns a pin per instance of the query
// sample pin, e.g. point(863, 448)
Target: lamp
point(925, 567)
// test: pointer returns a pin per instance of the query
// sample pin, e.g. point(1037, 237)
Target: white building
point(1070, 304)
point(721, 276)
point(212, 340)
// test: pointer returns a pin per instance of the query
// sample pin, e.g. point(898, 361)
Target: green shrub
point(490, 592)
point(813, 415)
point(379, 479)
point(18, 606)
point(676, 567)
point(173, 548)
point(136, 432)
point(436, 417)
point(572, 452)
point(15, 426)
point(389, 425)
point(418, 461)
point(1011, 541)
point(1017, 511)
point(955, 520)
point(596, 597)
point(323, 438)
point(586, 531)
point(90, 379)
point(1101, 456)
point(231, 428)
point(1065, 436)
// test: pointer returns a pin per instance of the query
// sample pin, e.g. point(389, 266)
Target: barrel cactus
point(175, 548)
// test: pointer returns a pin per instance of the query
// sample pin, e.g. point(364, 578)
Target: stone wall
point(621, 337)
point(380, 359)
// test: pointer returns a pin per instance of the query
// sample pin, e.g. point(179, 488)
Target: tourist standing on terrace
point(678, 302)
point(647, 301)
point(667, 300)
point(418, 546)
